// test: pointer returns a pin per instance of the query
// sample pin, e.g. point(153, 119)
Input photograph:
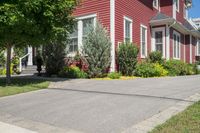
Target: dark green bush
point(72, 72)
point(127, 58)
point(178, 68)
point(155, 57)
point(114, 75)
point(2, 58)
point(146, 69)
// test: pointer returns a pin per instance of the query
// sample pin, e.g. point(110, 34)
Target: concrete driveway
point(95, 106)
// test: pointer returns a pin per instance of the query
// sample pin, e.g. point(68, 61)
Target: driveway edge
point(150, 123)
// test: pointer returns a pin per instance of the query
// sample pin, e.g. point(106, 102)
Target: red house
point(154, 25)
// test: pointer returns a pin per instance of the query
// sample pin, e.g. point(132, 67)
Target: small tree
point(127, 58)
point(53, 55)
point(97, 48)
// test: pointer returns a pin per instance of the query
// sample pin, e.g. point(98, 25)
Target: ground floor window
point(74, 40)
point(198, 48)
point(143, 41)
point(176, 45)
point(127, 29)
point(80, 32)
point(159, 40)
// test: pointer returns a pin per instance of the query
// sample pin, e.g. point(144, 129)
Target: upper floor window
point(185, 12)
point(155, 4)
point(177, 5)
point(127, 30)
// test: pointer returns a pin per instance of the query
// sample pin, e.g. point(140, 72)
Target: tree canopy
point(34, 22)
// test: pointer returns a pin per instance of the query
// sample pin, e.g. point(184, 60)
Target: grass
point(185, 122)
point(21, 85)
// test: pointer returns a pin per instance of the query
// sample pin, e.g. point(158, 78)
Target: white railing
point(20, 61)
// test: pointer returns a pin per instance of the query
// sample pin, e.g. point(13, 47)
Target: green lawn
point(21, 85)
point(185, 122)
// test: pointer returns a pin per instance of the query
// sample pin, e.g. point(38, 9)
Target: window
point(185, 12)
point(80, 32)
point(177, 5)
point(159, 41)
point(127, 30)
point(176, 45)
point(143, 41)
point(73, 48)
point(87, 24)
point(155, 4)
point(198, 48)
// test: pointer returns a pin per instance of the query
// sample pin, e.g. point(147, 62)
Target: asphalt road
point(95, 106)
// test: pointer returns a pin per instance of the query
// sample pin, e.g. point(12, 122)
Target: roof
point(188, 26)
point(160, 16)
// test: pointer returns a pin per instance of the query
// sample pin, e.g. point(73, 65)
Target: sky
point(194, 12)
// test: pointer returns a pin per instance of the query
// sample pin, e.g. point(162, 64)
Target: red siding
point(140, 11)
point(166, 7)
point(99, 7)
point(180, 14)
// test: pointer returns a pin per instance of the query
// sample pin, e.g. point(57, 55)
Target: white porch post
point(30, 57)
point(112, 34)
point(167, 43)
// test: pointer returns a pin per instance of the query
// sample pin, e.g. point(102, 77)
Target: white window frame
point(131, 28)
point(185, 11)
point(178, 4)
point(153, 47)
point(80, 31)
point(141, 28)
point(177, 57)
point(157, 5)
point(198, 47)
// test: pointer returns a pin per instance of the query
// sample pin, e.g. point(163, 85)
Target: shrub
point(96, 48)
point(146, 69)
point(53, 57)
point(127, 58)
point(114, 75)
point(72, 72)
point(3, 71)
point(178, 68)
point(155, 57)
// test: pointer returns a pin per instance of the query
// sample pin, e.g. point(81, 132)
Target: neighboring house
point(197, 22)
point(154, 25)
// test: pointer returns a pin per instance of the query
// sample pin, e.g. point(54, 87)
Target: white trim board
point(112, 34)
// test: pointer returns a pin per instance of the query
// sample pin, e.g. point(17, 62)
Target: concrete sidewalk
point(8, 128)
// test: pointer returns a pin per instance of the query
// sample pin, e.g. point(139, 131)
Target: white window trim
point(197, 47)
point(156, 6)
point(80, 31)
point(131, 28)
point(178, 8)
point(143, 26)
point(185, 11)
point(153, 48)
point(177, 34)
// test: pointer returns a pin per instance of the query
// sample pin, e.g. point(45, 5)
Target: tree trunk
point(8, 62)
